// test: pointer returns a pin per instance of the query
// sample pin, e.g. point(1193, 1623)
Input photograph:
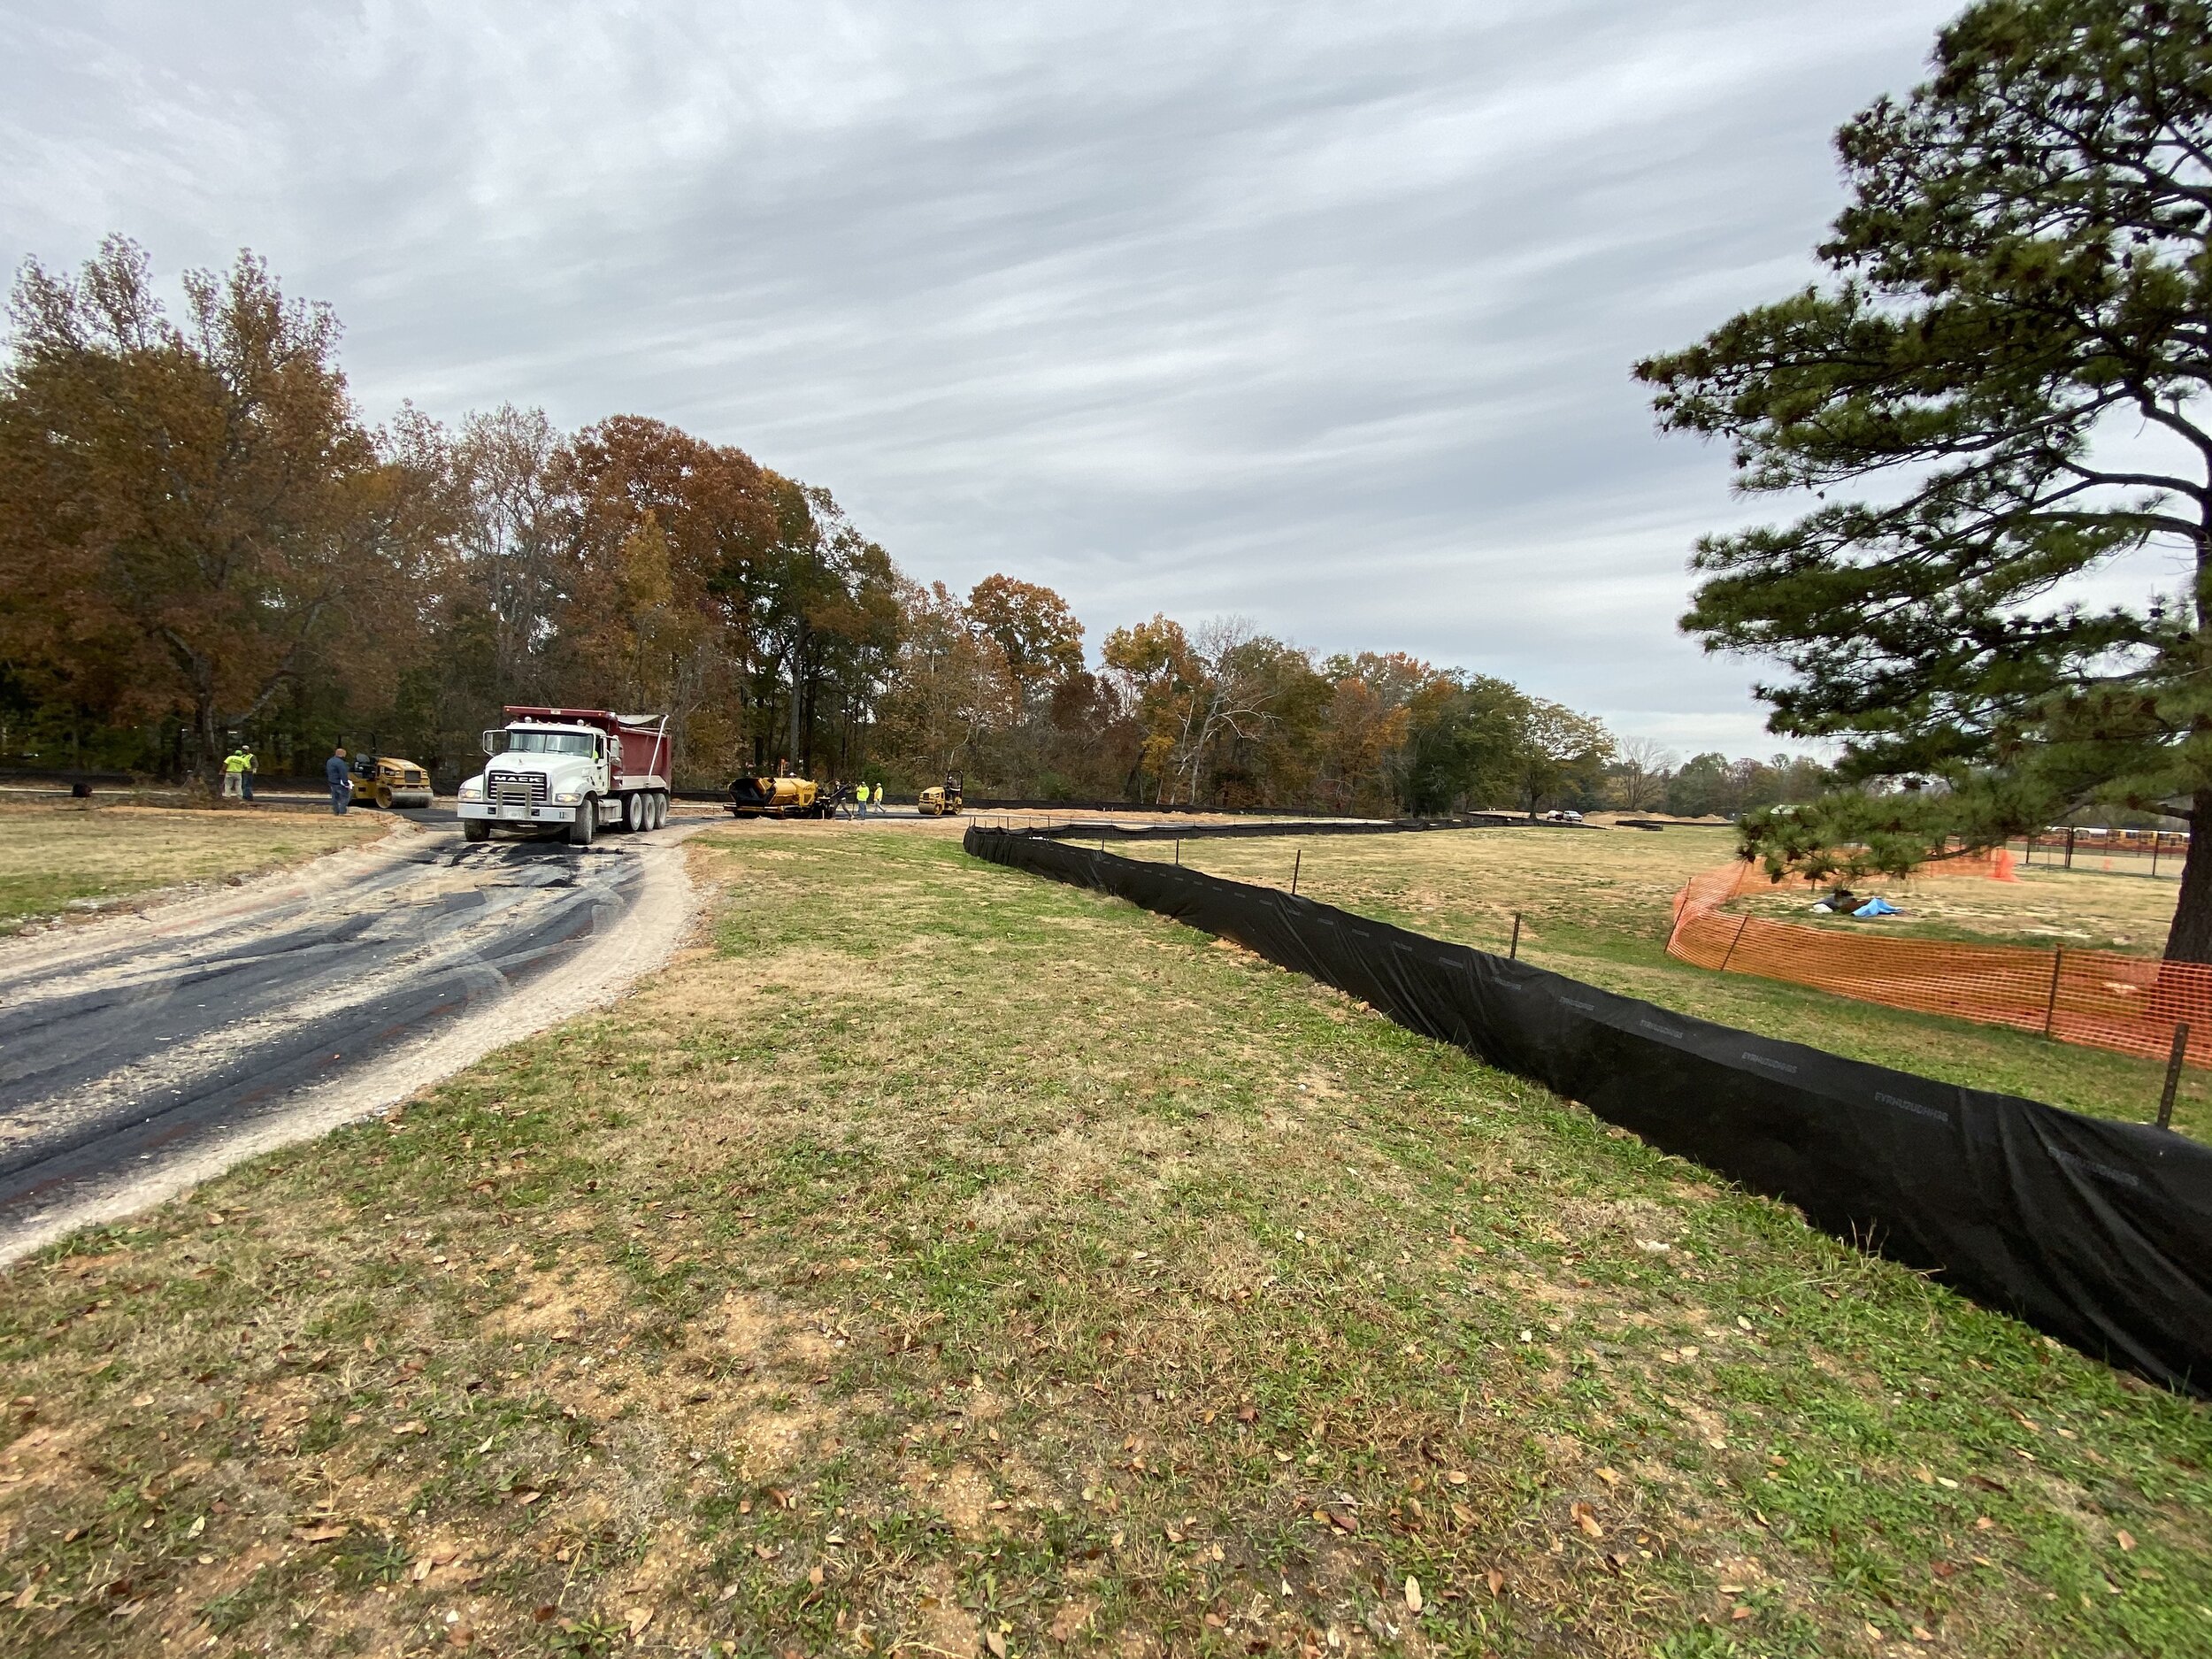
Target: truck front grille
point(517, 789)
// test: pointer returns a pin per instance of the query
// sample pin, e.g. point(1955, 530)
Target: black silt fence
point(1096, 831)
point(2095, 1231)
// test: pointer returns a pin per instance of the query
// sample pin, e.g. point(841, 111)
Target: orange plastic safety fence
point(2094, 997)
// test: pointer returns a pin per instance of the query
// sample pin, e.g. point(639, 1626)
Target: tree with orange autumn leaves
point(202, 539)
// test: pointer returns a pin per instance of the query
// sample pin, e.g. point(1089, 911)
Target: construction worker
point(234, 774)
point(245, 778)
point(860, 800)
point(341, 777)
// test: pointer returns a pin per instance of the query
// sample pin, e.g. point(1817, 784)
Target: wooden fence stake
point(2050, 1005)
point(1294, 863)
point(2173, 1075)
point(1513, 950)
point(1732, 943)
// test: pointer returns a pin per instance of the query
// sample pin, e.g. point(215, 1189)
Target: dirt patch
point(579, 1300)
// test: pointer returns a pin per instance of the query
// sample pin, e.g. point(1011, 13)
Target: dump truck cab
point(580, 769)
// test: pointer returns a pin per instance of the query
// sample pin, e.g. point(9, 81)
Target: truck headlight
point(569, 797)
point(472, 790)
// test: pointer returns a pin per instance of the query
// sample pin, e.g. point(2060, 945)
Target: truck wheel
point(582, 827)
point(660, 809)
point(476, 829)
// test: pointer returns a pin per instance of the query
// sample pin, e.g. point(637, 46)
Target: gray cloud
point(1321, 315)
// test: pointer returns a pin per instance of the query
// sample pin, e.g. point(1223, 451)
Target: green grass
point(941, 1258)
point(1597, 905)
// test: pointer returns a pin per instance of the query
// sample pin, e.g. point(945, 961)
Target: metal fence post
point(1299, 859)
point(1513, 951)
point(2050, 1004)
point(2173, 1075)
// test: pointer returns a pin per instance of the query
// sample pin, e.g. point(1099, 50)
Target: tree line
point(203, 542)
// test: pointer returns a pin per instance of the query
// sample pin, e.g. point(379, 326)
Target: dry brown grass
point(1598, 905)
point(65, 860)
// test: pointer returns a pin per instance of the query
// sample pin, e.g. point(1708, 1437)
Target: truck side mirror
point(491, 741)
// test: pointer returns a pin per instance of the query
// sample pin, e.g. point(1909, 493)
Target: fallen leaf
point(1413, 1594)
point(1068, 1621)
point(1588, 1521)
point(638, 1619)
point(1739, 1612)
point(2126, 1539)
point(996, 1643)
point(1496, 1580)
point(319, 1534)
point(1611, 1477)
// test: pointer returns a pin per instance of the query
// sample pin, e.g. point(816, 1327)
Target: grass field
point(2082, 908)
point(1597, 905)
point(55, 858)
point(942, 1261)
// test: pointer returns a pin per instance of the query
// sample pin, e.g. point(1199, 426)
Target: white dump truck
point(586, 769)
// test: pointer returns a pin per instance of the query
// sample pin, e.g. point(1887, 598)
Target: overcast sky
point(1321, 315)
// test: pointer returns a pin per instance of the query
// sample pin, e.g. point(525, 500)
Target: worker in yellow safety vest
point(860, 799)
point(235, 766)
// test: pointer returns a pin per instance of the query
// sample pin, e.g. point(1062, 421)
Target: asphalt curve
point(136, 1050)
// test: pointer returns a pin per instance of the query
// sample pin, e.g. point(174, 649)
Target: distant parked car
point(1560, 815)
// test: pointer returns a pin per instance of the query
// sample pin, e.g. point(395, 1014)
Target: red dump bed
point(641, 740)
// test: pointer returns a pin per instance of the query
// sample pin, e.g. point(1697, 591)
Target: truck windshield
point(548, 743)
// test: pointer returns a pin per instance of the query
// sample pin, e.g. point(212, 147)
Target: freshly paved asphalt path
point(150, 1040)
